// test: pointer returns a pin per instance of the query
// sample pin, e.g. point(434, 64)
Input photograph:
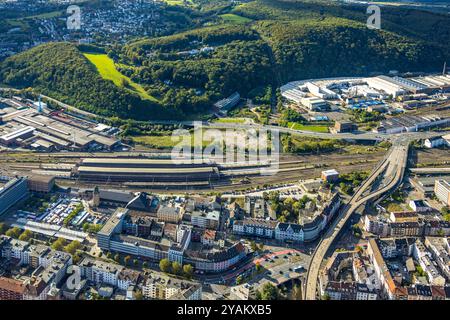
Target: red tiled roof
point(12, 285)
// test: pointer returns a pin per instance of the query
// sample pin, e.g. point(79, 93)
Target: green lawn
point(314, 128)
point(163, 142)
point(394, 207)
point(230, 120)
point(234, 18)
point(107, 69)
point(154, 141)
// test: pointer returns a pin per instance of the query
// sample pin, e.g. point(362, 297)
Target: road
point(366, 135)
point(396, 158)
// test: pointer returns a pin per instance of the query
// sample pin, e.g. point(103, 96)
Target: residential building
point(206, 220)
point(420, 206)
point(169, 214)
point(255, 227)
point(161, 287)
point(442, 191)
point(289, 231)
point(11, 289)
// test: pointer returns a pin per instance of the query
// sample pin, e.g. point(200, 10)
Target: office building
point(12, 192)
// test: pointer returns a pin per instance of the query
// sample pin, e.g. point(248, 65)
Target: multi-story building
point(41, 183)
point(375, 225)
point(127, 278)
point(11, 289)
point(289, 231)
point(255, 227)
point(12, 192)
point(165, 288)
point(405, 229)
point(442, 191)
point(440, 249)
point(206, 220)
point(100, 272)
point(15, 249)
point(216, 261)
point(426, 261)
point(169, 214)
point(308, 228)
point(388, 285)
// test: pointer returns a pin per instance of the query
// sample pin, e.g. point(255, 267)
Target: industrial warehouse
point(31, 125)
point(382, 93)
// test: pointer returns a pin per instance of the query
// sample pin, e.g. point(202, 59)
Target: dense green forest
point(61, 71)
point(283, 41)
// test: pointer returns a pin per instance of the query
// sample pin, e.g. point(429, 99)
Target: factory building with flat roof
point(47, 131)
point(410, 123)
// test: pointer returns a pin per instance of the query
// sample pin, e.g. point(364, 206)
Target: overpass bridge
point(396, 160)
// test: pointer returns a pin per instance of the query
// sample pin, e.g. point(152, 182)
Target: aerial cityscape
point(224, 150)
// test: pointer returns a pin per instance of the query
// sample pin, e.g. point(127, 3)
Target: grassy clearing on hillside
point(230, 120)
point(234, 18)
point(177, 2)
point(46, 15)
point(314, 128)
point(15, 23)
point(107, 69)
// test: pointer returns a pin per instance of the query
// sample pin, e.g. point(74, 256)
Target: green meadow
point(107, 69)
point(234, 18)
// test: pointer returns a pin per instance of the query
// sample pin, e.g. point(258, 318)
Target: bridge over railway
point(396, 161)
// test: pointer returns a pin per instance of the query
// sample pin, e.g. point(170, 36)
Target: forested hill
point(61, 71)
point(271, 52)
point(251, 48)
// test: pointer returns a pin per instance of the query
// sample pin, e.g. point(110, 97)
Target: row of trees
point(16, 233)
point(176, 268)
point(348, 182)
point(287, 210)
